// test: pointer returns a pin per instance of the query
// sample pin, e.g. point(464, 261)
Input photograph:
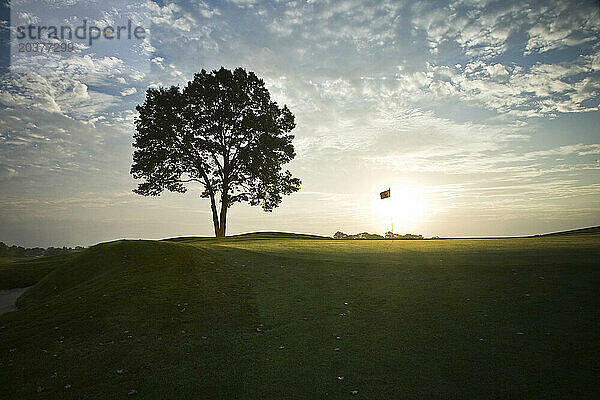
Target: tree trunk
point(223, 227)
point(219, 232)
point(216, 225)
point(223, 216)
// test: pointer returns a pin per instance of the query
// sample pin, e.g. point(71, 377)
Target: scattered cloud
point(489, 106)
point(128, 91)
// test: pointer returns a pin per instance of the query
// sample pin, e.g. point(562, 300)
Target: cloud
point(539, 90)
point(560, 25)
point(496, 71)
point(479, 29)
point(465, 160)
point(330, 22)
point(80, 90)
point(65, 94)
point(484, 29)
point(128, 91)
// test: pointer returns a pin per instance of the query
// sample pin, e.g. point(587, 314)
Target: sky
point(481, 116)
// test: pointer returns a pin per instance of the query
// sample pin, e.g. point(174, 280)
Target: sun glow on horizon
point(406, 208)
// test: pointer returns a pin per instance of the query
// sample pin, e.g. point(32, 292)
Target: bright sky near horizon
point(481, 116)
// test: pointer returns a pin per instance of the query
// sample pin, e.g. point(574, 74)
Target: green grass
point(460, 318)
point(27, 271)
point(583, 231)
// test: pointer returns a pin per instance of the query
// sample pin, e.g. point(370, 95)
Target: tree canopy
point(222, 131)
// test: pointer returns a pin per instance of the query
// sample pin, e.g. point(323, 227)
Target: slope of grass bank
point(27, 271)
point(278, 316)
point(595, 230)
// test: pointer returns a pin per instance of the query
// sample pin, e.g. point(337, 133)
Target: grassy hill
point(27, 271)
point(595, 230)
point(270, 315)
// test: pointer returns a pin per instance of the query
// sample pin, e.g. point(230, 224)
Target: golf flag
point(385, 194)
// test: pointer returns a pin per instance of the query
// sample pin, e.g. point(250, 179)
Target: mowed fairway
point(278, 316)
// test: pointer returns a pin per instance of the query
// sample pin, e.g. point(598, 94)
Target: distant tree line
point(388, 235)
point(362, 235)
point(20, 251)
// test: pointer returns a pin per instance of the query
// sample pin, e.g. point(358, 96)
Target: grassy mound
point(23, 272)
point(248, 236)
point(132, 306)
point(583, 231)
point(281, 316)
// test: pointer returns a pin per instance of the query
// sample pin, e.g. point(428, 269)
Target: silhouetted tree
point(222, 131)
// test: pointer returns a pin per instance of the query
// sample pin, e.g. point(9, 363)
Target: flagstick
point(384, 195)
point(391, 215)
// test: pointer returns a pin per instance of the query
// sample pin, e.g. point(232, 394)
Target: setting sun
point(406, 208)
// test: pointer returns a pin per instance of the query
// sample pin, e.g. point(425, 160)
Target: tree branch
point(190, 180)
